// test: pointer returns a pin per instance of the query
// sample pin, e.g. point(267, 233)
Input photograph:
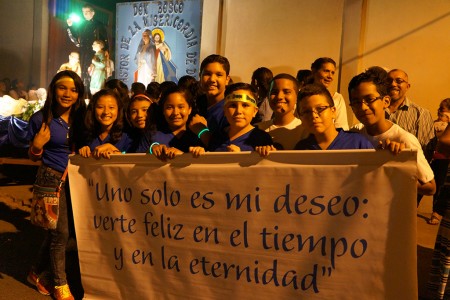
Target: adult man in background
point(408, 115)
point(84, 36)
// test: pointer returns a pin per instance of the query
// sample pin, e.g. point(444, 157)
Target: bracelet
point(202, 132)
point(151, 146)
point(36, 154)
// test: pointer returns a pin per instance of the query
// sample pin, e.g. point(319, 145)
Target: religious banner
point(157, 40)
point(295, 225)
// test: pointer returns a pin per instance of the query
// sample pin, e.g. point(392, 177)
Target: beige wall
point(283, 35)
point(414, 36)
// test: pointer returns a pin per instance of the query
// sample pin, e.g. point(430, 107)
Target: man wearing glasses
point(408, 115)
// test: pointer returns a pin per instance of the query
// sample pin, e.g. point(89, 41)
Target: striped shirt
point(417, 121)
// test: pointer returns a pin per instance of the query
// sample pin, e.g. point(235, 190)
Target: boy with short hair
point(240, 107)
point(284, 128)
point(214, 77)
point(368, 100)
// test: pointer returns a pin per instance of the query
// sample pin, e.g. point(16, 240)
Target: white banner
point(298, 225)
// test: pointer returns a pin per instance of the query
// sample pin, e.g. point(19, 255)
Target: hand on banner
point(105, 151)
point(162, 152)
point(196, 151)
point(233, 148)
point(264, 151)
point(394, 147)
point(85, 151)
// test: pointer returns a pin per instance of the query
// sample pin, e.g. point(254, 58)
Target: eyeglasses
point(366, 101)
point(319, 110)
point(397, 80)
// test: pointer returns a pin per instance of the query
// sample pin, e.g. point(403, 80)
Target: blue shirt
point(124, 144)
point(246, 142)
point(166, 137)
point(344, 140)
point(56, 150)
point(215, 117)
point(214, 114)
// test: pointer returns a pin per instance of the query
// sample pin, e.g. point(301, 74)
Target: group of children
point(220, 119)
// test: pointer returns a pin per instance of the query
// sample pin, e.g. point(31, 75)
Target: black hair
point(216, 58)
point(138, 88)
point(312, 90)
point(120, 87)
point(375, 75)
point(284, 76)
point(154, 90)
point(261, 78)
point(318, 63)
point(303, 76)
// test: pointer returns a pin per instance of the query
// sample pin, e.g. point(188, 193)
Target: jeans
point(52, 254)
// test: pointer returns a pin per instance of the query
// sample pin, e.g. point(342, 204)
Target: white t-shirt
point(341, 112)
point(285, 136)
point(398, 134)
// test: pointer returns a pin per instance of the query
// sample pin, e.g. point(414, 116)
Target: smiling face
point(138, 113)
point(367, 104)
point(283, 96)
point(66, 93)
point(317, 115)
point(106, 111)
point(176, 111)
point(213, 81)
point(239, 114)
point(325, 74)
point(398, 85)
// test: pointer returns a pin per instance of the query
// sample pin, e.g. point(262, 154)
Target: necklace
point(65, 126)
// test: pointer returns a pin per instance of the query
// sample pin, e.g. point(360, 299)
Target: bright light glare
point(74, 17)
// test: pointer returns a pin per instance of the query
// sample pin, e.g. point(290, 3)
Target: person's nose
point(141, 114)
point(279, 95)
point(213, 78)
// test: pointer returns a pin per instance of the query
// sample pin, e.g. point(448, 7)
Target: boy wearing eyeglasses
point(317, 112)
point(369, 98)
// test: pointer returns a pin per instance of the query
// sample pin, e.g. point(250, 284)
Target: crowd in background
point(271, 113)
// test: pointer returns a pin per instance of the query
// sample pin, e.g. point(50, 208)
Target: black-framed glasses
point(366, 101)
point(396, 80)
point(318, 110)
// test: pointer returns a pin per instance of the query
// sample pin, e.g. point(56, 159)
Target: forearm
point(426, 189)
point(73, 37)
